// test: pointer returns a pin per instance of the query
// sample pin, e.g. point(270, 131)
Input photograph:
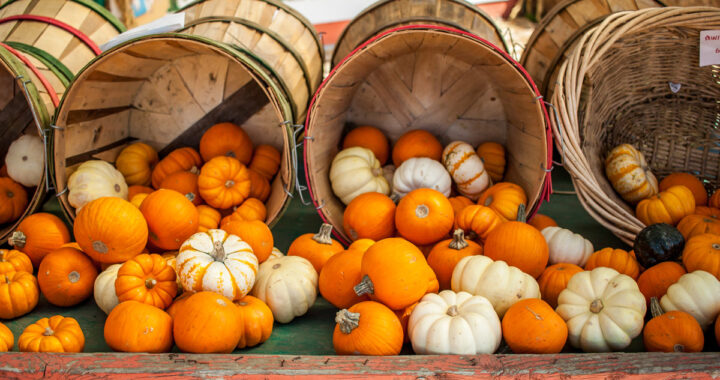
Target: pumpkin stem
point(17, 239)
point(347, 321)
point(7, 279)
point(194, 170)
point(48, 331)
point(190, 197)
point(2, 255)
point(716, 247)
point(458, 241)
point(73, 277)
point(364, 287)
point(521, 217)
point(150, 283)
point(99, 247)
point(679, 348)
point(655, 308)
point(218, 251)
point(596, 306)
point(377, 172)
point(452, 311)
point(10, 194)
point(323, 236)
point(229, 183)
point(422, 211)
point(395, 197)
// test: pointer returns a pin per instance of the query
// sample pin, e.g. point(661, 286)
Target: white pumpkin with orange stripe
point(218, 262)
point(421, 173)
point(466, 169)
point(629, 174)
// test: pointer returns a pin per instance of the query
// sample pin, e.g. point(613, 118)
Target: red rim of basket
point(547, 183)
point(69, 28)
point(48, 87)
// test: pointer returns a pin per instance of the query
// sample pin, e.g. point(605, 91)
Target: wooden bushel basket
point(449, 82)
point(166, 91)
point(277, 35)
point(388, 14)
point(636, 79)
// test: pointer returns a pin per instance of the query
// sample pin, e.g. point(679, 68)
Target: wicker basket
point(615, 89)
point(388, 14)
point(451, 83)
point(166, 90)
point(692, 3)
point(275, 33)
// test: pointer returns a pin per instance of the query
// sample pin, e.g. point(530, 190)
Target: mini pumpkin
point(670, 206)
point(370, 216)
point(185, 183)
point(531, 326)
point(655, 281)
point(316, 248)
point(416, 143)
point(207, 322)
point(356, 171)
point(179, 160)
point(424, 216)
point(54, 334)
point(66, 277)
point(714, 200)
point(691, 182)
point(279, 278)
point(629, 174)
point(14, 261)
point(657, 243)
point(95, 179)
point(618, 259)
point(18, 294)
point(39, 234)
point(138, 200)
point(135, 162)
point(136, 189)
point(478, 221)
point(693, 225)
point(675, 331)
point(265, 161)
point(466, 169)
point(13, 200)
point(566, 246)
point(256, 321)
point(251, 209)
point(171, 218)
point(520, 245)
point(696, 293)
point(367, 328)
point(493, 156)
point(256, 233)
point(555, 279)
point(138, 327)
point(7, 340)
point(708, 211)
point(459, 203)
point(702, 252)
point(340, 274)
point(421, 173)
point(104, 288)
point(541, 222)
point(146, 278)
point(226, 140)
point(505, 198)
point(259, 186)
point(446, 254)
point(224, 182)
point(370, 138)
point(25, 160)
point(208, 218)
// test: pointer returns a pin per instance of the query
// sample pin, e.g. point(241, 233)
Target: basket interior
point(165, 91)
point(454, 86)
point(628, 98)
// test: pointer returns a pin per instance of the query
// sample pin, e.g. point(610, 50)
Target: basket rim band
point(51, 91)
point(69, 28)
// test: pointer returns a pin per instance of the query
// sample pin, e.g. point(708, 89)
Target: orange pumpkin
point(7, 340)
point(259, 186)
point(224, 182)
point(371, 138)
point(14, 261)
point(670, 206)
point(135, 162)
point(493, 156)
point(404, 316)
point(171, 218)
point(185, 183)
point(339, 275)
point(265, 161)
point(137, 189)
point(137, 327)
point(66, 277)
point(207, 322)
point(256, 233)
point(208, 218)
point(179, 160)
point(459, 203)
point(714, 200)
point(693, 225)
point(520, 245)
point(691, 182)
point(541, 222)
point(708, 211)
point(424, 216)
point(18, 294)
point(447, 253)
point(674, 331)
point(256, 321)
point(416, 143)
point(370, 216)
point(531, 326)
point(395, 272)
point(655, 281)
point(3, 171)
point(316, 248)
point(54, 334)
point(147, 278)
point(618, 259)
point(505, 198)
point(361, 244)
point(111, 230)
point(554, 280)
point(138, 200)
point(251, 209)
point(702, 252)
point(173, 309)
point(228, 140)
point(479, 221)
point(13, 200)
point(367, 328)
point(39, 234)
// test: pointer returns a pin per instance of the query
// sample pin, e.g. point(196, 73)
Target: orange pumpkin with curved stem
point(416, 143)
point(618, 259)
point(370, 138)
point(370, 216)
point(259, 186)
point(478, 221)
point(39, 234)
point(708, 211)
point(541, 222)
point(693, 225)
point(655, 281)
point(702, 252)
point(133, 326)
point(224, 182)
point(504, 198)
point(137, 189)
point(367, 328)
point(339, 275)
point(135, 162)
point(7, 340)
point(531, 326)
point(518, 244)
point(424, 216)
point(691, 182)
point(226, 140)
point(256, 321)
point(179, 160)
point(265, 161)
point(18, 294)
point(208, 218)
point(316, 248)
point(459, 203)
point(66, 277)
point(554, 280)
point(147, 278)
point(13, 200)
point(446, 254)
point(493, 157)
point(171, 218)
point(184, 183)
point(670, 206)
point(256, 233)
point(14, 261)
point(674, 331)
point(207, 322)
point(54, 334)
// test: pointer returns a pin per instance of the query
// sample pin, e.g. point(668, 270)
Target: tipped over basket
point(636, 79)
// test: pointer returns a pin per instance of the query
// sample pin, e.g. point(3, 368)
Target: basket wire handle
point(561, 141)
point(43, 132)
point(297, 131)
point(507, 34)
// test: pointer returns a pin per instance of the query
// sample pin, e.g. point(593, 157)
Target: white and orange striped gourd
point(218, 262)
point(629, 174)
point(466, 169)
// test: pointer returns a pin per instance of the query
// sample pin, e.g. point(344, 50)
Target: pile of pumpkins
point(22, 171)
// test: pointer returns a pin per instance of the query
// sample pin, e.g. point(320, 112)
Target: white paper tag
point(709, 47)
point(167, 24)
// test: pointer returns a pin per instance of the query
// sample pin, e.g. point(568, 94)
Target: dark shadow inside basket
point(167, 91)
point(649, 91)
point(452, 85)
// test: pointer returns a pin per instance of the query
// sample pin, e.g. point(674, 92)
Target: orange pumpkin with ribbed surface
point(171, 218)
point(416, 143)
point(251, 209)
point(459, 203)
point(541, 221)
point(691, 182)
point(367, 328)
point(18, 294)
point(39, 234)
point(265, 161)
point(478, 221)
point(179, 160)
point(13, 200)
point(316, 248)
point(66, 277)
point(207, 322)
point(226, 140)
point(493, 156)
point(208, 218)
point(554, 280)
point(674, 331)
point(185, 183)
point(256, 321)
point(135, 162)
point(424, 216)
point(133, 326)
point(339, 275)
point(256, 233)
point(531, 326)
point(655, 281)
point(702, 252)
point(259, 186)
point(137, 189)
point(14, 261)
point(370, 138)
point(7, 340)
point(618, 259)
point(224, 182)
point(370, 216)
point(147, 278)
point(693, 225)
point(54, 334)
point(708, 211)
point(669, 206)
point(505, 198)
point(518, 244)
point(446, 254)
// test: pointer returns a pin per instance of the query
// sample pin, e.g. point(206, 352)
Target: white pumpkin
point(218, 262)
point(629, 174)
point(466, 169)
point(95, 179)
point(501, 284)
point(421, 173)
point(696, 293)
point(288, 285)
point(356, 171)
point(452, 323)
point(389, 174)
point(104, 288)
point(566, 246)
point(25, 160)
point(604, 310)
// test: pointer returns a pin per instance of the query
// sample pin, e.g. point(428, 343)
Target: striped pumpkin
point(466, 169)
point(629, 174)
point(493, 156)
